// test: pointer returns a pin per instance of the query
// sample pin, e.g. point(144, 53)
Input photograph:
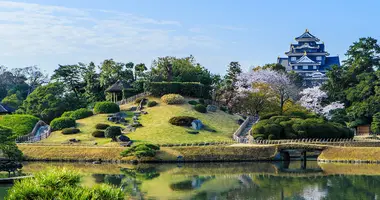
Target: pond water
point(245, 180)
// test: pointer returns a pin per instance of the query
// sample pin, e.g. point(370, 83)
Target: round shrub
point(258, 137)
point(112, 132)
point(81, 113)
point(200, 108)
point(223, 108)
point(268, 115)
point(68, 131)
point(106, 107)
point(67, 114)
point(173, 99)
point(182, 120)
point(201, 101)
point(138, 100)
point(192, 102)
point(61, 123)
point(152, 103)
point(271, 137)
point(102, 126)
point(98, 134)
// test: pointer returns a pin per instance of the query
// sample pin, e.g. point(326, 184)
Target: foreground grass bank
point(351, 154)
point(112, 154)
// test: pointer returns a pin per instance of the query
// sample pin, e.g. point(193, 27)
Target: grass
point(157, 129)
point(20, 124)
point(87, 127)
point(370, 154)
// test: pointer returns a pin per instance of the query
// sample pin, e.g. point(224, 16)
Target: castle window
point(295, 67)
point(293, 58)
point(319, 57)
point(305, 67)
point(314, 67)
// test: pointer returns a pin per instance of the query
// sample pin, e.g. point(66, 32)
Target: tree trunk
point(281, 104)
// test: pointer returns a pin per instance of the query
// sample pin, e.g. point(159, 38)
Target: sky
point(51, 32)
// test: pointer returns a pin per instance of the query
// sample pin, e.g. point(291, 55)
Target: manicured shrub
point(68, 131)
point(98, 134)
point(141, 150)
point(102, 126)
point(182, 120)
point(192, 102)
point(201, 101)
point(173, 99)
point(271, 137)
point(200, 108)
point(268, 115)
point(106, 107)
point(18, 123)
point(152, 103)
point(258, 137)
point(81, 113)
point(61, 123)
point(153, 146)
point(112, 132)
point(183, 88)
point(60, 183)
point(67, 114)
point(223, 108)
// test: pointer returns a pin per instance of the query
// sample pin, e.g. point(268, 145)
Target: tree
point(274, 66)
point(230, 87)
point(93, 91)
point(112, 71)
point(34, 77)
point(7, 144)
point(139, 70)
point(278, 82)
point(375, 125)
point(12, 101)
point(70, 76)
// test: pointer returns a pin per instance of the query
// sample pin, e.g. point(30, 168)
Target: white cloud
point(230, 28)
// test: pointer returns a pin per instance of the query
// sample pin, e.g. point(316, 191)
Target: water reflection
point(233, 180)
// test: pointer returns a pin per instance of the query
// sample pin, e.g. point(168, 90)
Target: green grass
point(157, 129)
point(370, 154)
point(87, 127)
point(20, 124)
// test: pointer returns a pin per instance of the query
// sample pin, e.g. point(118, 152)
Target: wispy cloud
point(33, 29)
point(230, 28)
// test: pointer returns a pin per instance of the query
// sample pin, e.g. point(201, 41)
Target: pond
point(244, 180)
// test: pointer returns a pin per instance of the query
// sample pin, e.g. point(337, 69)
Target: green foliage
point(283, 127)
point(141, 150)
point(69, 131)
point(12, 101)
point(375, 125)
point(268, 115)
point(7, 144)
point(112, 132)
point(138, 100)
point(19, 124)
point(152, 103)
point(60, 183)
point(192, 102)
point(106, 107)
point(189, 89)
point(81, 113)
point(173, 99)
point(130, 92)
point(202, 101)
point(258, 136)
point(200, 108)
point(182, 120)
point(102, 126)
point(223, 108)
point(61, 123)
point(98, 134)
point(67, 114)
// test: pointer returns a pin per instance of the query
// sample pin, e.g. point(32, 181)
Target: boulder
point(123, 138)
point(73, 140)
point(197, 124)
point(211, 108)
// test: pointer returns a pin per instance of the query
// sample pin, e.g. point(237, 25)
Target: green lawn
point(157, 129)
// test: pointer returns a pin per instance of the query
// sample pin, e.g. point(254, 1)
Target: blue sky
point(51, 32)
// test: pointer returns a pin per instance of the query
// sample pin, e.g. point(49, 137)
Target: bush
point(152, 103)
point(258, 137)
point(130, 92)
point(67, 114)
point(200, 108)
point(173, 99)
point(268, 115)
point(60, 183)
point(141, 150)
point(102, 126)
point(201, 101)
point(271, 137)
point(223, 108)
point(68, 131)
point(19, 124)
point(81, 113)
point(192, 102)
point(183, 88)
point(98, 134)
point(61, 123)
point(112, 132)
point(182, 120)
point(106, 107)
point(138, 100)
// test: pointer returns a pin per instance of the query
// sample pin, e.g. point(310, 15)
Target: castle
point(309, 59)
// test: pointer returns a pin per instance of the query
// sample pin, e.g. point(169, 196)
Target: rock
point(240, 121)
point(129, 143)
point(144, 112)
point(135, 118)
point(95, 143)
point(97, 162)
point(138, 113)
point(212, 108)
point(197, 124)
point(124, 138)
point(74, 140)
point(134, 108)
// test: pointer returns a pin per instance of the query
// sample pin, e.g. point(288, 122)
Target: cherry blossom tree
point(312, 99)
point(277, 81)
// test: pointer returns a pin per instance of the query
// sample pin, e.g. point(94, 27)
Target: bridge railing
point(329, 141)
point(133, 98)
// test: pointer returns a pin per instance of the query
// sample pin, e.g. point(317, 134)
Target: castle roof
point(306, 36)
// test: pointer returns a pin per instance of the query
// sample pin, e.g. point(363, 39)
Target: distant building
point(309, 59)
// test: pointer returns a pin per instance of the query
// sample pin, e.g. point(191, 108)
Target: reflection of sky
point(313, 193)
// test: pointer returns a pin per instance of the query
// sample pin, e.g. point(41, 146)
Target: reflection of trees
point(191, 184)
point(133, 178)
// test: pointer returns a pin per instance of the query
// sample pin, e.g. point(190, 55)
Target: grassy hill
point(156, 128)
point(20, 124)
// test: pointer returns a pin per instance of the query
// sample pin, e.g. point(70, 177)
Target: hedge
point(106, 107)
point(61, 123)
point(172, 99)
point(152, 103)
point(141, 150)
point(191, 89)
point(98, 134)
point(67, 114)
point(182, 120)
point(19, 124)
point(112, 132)
point(192, 102)
point(102, 126)
point(68, 131)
